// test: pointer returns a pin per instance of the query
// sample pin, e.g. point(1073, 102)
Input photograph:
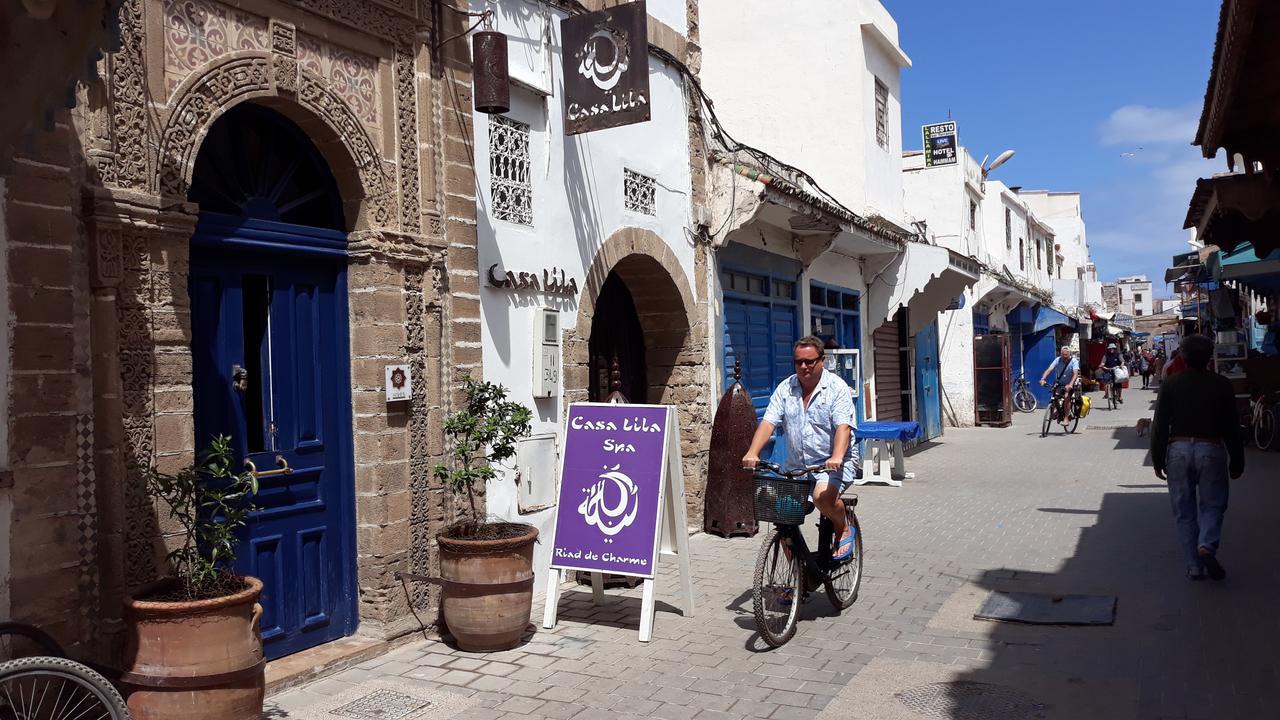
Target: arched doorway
point(617, 338)
point(271, 362)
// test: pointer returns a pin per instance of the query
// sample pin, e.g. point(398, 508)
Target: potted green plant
point(486, 566)
point(194, 647)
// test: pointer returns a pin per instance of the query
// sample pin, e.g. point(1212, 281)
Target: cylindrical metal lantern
point(492, 89)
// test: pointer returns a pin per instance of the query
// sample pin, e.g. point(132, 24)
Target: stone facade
point(99, 231)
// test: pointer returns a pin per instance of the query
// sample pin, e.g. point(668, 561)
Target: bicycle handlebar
point(799, 472)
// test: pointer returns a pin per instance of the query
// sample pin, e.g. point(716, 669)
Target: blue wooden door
point(760, 336)
point(928, 389)
point(270, 369)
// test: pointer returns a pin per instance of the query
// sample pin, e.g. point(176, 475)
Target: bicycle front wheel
point(1264, 429)
point(779, 587)
point(845, 579)
point(1048, 418)
point(51, 688)
point(1024, 401)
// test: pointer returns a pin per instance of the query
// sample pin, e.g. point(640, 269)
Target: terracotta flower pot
point(198, 660)
point(488, 589)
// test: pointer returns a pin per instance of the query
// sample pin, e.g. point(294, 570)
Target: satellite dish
point(1001, 159)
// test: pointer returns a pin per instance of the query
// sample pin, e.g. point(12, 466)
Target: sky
point(1100, 97)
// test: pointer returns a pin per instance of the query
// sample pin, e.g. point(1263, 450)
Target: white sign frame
point(671, 541)
point(399, 394)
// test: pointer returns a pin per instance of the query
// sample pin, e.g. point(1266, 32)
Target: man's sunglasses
point(808, 362)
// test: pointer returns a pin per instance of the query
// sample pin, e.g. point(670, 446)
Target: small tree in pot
point(194, 645)
point(487, 566)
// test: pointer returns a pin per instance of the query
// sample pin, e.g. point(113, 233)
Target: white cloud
point(1145, 125)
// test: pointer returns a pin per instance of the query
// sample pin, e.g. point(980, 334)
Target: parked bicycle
point(1023, 399)
point(786, 570)
point(37, 682)
point(1069, 418)
point(1262, 419)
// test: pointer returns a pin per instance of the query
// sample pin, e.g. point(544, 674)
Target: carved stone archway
point(675, 340)
point(275, 80)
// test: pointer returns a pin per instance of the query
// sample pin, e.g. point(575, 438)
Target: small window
point(640, 192)
point(1022, 254)
point(973, 215)
point(1039, 264)
point(1008, 229)
point(849, 301)
point(510, 189)
point(1137, 297)
point(882, 114)
point(784, 289)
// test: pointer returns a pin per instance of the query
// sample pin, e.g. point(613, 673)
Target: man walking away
point(1195, 445)
point(1147, 361)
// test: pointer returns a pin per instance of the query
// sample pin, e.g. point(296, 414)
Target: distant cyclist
point(1107, 375)
point(1065, 370)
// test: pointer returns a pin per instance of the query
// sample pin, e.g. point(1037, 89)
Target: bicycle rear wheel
point(845, 579)
point(51, 688)
point(1264, 429)
point(1024, 401)
point(18, 641)
point(777, 591)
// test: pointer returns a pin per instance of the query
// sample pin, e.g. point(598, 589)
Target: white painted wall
point(577, 204)
point(800, 83)
point(1062, 211)
point(1131, 289)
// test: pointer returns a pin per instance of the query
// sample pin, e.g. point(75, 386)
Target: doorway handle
point(239, 378)
point(282, 466)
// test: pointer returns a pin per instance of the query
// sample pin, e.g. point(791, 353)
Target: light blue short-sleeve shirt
point(1056, 368)
point(811, 432)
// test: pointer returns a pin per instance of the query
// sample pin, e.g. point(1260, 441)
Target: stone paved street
point(989, 508)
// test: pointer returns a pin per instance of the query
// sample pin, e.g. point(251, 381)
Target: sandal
point(787, 596)
point(845, 549)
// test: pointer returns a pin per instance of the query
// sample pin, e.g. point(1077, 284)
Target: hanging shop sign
point(606, 68)
point(941, 144)
point(621, 501)
point(553, 281)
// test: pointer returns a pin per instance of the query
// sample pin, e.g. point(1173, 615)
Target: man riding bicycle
point(1064, 366)
point(815, 408)
point(1107, 375)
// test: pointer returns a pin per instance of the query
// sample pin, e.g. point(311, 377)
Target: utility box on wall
point(537, 464)
point(546, 353)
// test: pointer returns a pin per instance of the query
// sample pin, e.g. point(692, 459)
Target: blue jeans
point(1198, 489)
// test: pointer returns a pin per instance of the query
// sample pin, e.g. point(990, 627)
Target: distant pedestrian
point(1195, 446)
point(1147, 363)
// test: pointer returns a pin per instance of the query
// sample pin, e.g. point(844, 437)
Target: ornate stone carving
point(407, 127)
point(200, 31)
point(351, 75)
point(367, 17)
point(137, 374)
point(378, 187)
point(284, 71)
point(108, 267)
point(399, 246)
point(87, 527)
point(284, 38)
point(419, 457)
point(129, 166)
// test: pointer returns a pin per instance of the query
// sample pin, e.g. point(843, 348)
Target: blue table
point(883, 439)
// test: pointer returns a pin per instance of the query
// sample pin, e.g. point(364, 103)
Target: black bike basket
point(781, 500)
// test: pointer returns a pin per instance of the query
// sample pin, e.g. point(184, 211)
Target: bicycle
point(786, 570)
point(1262, 414)
point(48, 686)
point(1069, 418)
point(1023, 399)
point(1109, 388)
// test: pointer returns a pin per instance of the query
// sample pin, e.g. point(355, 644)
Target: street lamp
point(1001, 159)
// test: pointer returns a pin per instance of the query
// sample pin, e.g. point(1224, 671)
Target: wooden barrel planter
point(488, 589)
point(197, 660)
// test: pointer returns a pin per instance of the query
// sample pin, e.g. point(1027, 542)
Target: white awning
point(1114, 330)
point(925, 279)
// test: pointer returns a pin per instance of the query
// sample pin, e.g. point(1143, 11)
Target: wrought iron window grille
point(510, 188)
point(640, 192)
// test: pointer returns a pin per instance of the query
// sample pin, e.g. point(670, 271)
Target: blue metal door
point(270, 369)
point(760, 337)
point(928, 389)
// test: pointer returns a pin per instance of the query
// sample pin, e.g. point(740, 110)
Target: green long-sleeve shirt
point(1197, 403)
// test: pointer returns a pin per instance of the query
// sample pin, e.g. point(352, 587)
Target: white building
point(826, 249)
point(1075, 280)
point(593, 230)
point(992, 223)
point(1135, 295)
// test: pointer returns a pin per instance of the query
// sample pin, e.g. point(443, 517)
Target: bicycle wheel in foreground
point(777, 591)
point(1024, 401)
point(1264, 430)
point(1048, 419)
point(846, 578)
point(49, 688)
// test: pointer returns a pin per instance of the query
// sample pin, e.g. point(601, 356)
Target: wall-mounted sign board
point(399, 383)
point(606, 68)
point(941, 144)
point(621, 502)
